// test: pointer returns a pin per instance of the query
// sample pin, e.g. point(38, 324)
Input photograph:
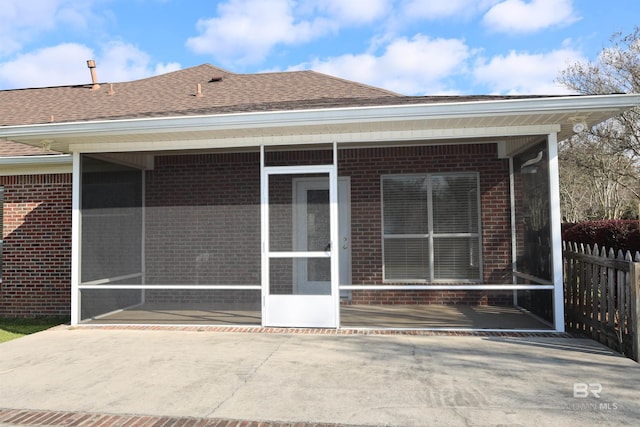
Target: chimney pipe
point(94, 79)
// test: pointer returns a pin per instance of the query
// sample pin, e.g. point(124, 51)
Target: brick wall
point(365, 168)
point(203, 224)
point(36, 253)
point(209, 204)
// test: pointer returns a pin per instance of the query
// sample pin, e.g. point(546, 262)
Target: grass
point(11, 328)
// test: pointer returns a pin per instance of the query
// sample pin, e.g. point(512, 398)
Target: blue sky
point(414, 47)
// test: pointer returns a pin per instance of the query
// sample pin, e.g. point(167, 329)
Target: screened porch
point(448, 236)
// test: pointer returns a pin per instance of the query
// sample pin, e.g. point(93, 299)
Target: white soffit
point(358, 124)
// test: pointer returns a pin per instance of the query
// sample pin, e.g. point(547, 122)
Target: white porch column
point(75, 240)
point(556, 236)
point(335, 233)
point(514, 240)
point(264, 227)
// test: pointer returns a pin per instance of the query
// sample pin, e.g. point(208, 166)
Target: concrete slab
point(352, 316)
point(395, 380)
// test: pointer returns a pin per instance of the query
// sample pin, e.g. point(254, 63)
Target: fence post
point(634, 305)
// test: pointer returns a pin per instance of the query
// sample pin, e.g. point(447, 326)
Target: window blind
point(431, 227)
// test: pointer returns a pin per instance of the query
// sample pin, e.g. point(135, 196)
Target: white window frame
point(430, 234)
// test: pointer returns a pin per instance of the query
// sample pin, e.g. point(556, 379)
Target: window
point(431, 227)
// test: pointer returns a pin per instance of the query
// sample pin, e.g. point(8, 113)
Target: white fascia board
point(317, 117)
point(318, 138)
point(52, 159)
point(35, 165)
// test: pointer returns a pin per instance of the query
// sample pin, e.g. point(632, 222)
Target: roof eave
point(48, 159)
point(613, 104)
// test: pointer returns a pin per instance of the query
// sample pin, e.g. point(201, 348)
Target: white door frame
point(300, 310)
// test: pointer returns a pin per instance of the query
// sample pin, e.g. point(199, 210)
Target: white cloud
point(51, 66)
point(245, 31)
point(354, 11)
point(518, 16)
point(438, 9)
point(120, 62)
point(419, 65)
point(21, 21)
point(166, 68)
point(524, 73)
point(65, 64)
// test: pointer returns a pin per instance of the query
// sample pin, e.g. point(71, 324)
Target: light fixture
point(579, 127)
point(579, 124)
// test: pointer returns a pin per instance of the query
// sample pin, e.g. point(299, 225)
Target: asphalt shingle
point(174, 94)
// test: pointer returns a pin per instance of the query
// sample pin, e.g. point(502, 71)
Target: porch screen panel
point(318, 234)
point(533, 230)
point(171, 306)
point(111, 212)
point(176, 243)
point(202, 222)
point(441, 309)
point(431, 227)
point(281, 213)
point(299, 222)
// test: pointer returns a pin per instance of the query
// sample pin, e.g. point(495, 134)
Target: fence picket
point(603, 295)
point(602, 299)
point(612, 300)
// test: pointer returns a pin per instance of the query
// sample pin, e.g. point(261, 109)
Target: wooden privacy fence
point(602, 296)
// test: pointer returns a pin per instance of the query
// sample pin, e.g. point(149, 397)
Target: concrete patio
point(435, 316)
point(320, 376)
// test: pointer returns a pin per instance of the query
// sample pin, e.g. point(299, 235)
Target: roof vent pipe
point(198, 90)
point(94, 79)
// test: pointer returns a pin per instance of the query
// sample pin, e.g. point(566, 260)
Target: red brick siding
point(365, 168)
point(218, 197)
point(233, 180)
point(36, 253)
point(198, 205)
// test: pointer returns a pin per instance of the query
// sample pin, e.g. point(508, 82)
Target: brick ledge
point(23, 417)
point(326, 331)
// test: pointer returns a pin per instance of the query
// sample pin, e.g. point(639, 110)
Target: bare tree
point(596, 182)
point(600, 177)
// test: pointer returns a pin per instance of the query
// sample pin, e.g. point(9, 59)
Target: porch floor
point(352, 316)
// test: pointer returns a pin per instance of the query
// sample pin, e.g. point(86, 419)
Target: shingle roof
point(174, 94)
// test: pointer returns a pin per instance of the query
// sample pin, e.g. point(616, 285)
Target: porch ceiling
point(515, 122)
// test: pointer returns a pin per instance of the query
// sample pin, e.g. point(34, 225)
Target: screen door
point(300, 268)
